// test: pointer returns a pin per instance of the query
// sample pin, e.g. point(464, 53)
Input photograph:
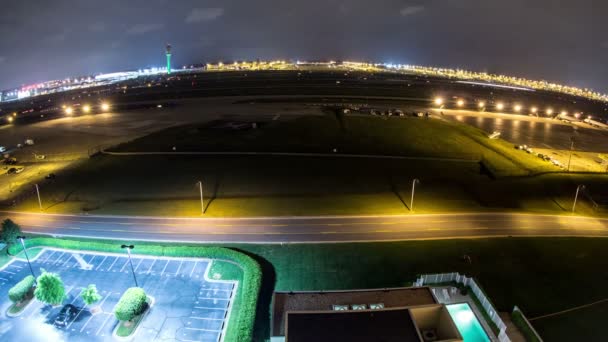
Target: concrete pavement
point(311, 229)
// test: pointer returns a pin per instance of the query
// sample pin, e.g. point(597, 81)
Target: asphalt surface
point(312, 229)
point(187, 306)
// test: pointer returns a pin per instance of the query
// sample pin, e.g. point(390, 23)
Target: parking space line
point(195, 262)
point(200, 329)
point(206, 308)
point(227, 299)
point(8, 272)
point(123, 266)
point(104, 323)
point(161, 273)
point(19, 267)
point(104, 260)
point(115, 260)
point(57, 259)
point(180, 266)
point(74, 319)
point(136, 267)
point(86, 323)
point(47, 257)
point(207, 318)
point(3, 279)
point(65, 262)
point(153, 262)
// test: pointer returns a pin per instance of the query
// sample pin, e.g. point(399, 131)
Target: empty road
point(311, 229)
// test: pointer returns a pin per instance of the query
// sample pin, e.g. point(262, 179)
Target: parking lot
point(187, 307)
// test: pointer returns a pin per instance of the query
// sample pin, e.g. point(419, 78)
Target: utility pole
point(571, 148)
point(38, 193)
point(129, 247)
point(21, 238)
point(200, 187)
point(414, 182)
point(578, 188)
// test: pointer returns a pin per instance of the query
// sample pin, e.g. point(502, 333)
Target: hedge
point(252, 273)
point(131, 304)
point(18, 292)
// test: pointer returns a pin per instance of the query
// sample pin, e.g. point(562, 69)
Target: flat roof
point(284, 302)
point(354, 326)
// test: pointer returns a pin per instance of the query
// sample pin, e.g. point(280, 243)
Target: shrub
point(18, 292)
point(90, 294)
point(50, 288)
point(10, 231)
point(132, 303)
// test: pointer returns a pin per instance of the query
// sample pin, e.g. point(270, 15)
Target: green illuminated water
point(466, 322)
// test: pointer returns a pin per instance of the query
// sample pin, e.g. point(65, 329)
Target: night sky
point(557, 40)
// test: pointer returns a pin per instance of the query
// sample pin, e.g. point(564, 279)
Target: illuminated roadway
point(311, 229)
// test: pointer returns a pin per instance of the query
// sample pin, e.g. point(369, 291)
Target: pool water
point(467, 324)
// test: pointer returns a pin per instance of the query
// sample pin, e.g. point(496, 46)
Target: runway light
point(517, 108)
point(500, 106)
point(549, 111)
point(460, 103)
point(481, 104)
point(438, 101)
point(69, 110)
point(105, 106)
point(534, 110)
point(86, 108)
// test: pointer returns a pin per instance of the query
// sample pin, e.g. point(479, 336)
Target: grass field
point(289, 185)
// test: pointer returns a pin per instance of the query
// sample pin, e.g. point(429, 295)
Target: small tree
point(132, 303)
point(90, 295)
point(10, 231)
point(21, 290)
point(50, 288)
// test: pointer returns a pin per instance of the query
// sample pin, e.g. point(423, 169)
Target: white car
point(2, 149)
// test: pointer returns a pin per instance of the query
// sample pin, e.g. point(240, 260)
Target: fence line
point(516, 308)
point(468, 281)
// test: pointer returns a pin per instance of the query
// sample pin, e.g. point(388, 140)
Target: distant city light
point(534, 110)
point(517, 108)
point(69, 110)
point(549, 111)
point(105, 106)
point(460, 103)
point(438, 101)
point(86, 108)
point(481, 104)
point(500, 106)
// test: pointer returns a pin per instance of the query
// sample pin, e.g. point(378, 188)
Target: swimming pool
point(466, 322)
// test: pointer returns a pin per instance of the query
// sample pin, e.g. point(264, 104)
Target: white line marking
point(19, 267)
point(86, 323)
point(109, 268)
point(227, 299)
point(149, 269)
point(123, 266)
point(59, 257)
point(180, 266)
point(161, 273)
point(78, 314)
point(215, 331)
point(206, 308)
point(8, 272)
point(3, 279)
point(207, 319)
point(66, 261)
point(104, 323)
point(136, 267)
point(196, 262)
point(102, 261)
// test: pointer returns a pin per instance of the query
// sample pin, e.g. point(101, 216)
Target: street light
point(517, 108)
point(460, 103)
point(414, 182)
point(500, 106)
point(200, 187)
point(578, 188)
point(438, 101)
point(38, 193)
point(533, 110)
point(571, 148)
point(86, 108)
point(21, 238)
point(481, 104)
point(129, 248)
point(105, 107)
point(69, 110)
point(549, 111)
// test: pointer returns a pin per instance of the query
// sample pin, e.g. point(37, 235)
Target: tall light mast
point(168, 53)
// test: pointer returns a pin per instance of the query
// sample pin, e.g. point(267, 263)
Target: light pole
point(129, 248)
point(578, 188)
point(571, 147)
point(21, 238)
point(200, 187)
point(414, 182)
point(38, 193)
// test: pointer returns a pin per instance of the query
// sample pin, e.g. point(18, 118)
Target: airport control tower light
point(168, 53)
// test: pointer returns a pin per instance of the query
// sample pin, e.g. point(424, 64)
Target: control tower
point(168, 53)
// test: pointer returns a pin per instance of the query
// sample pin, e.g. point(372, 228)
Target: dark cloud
point(561, 41)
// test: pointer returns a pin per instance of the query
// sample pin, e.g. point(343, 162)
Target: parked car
point(2, 149)
point(65, 315)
